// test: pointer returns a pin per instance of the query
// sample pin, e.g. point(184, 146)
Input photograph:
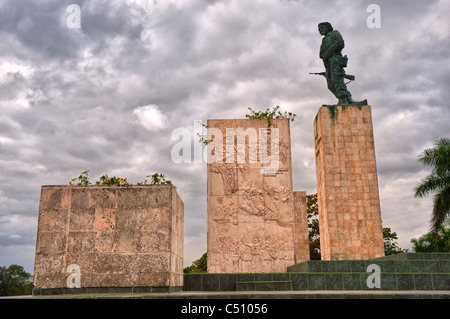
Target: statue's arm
point(336, 46)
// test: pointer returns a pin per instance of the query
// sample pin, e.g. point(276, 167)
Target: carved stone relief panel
point(250, 212)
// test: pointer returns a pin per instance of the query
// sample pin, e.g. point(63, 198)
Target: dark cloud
point(68, 96)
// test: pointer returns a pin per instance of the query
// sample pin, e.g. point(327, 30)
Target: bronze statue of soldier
point(334, 62)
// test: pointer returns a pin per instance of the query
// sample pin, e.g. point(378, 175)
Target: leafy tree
point(15, 281)
point(312, 211)
point(199, 265)
point(438, 182)
point(390, 245)
point(433, 242)
point(4, 281)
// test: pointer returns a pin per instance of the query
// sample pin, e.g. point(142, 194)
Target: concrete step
point(410, 271)
point(316, 281)
point(416, 256)
point(267, 296)
point(386, 266)
point(263, 285)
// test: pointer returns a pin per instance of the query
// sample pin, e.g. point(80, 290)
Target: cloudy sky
point(107, 96)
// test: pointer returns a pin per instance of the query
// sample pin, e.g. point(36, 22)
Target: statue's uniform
point(330, 52)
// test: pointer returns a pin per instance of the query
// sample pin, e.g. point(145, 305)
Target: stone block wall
point(347, 184)
point(250, 210)
point(301, 236)
point(116, 236)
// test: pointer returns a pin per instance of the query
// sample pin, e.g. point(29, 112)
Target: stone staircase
point(264, 285)
point(411, 271)
point(263, 282)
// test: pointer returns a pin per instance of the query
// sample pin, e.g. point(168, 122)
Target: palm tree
point(438, 182)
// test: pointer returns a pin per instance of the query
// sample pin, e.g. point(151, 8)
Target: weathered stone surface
point(347, 185)
point(301, 243)
point(118, 236)
point(250, 211)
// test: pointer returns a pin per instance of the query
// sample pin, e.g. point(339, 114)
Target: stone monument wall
point(109, 236)
point(250, 198)
point(301, 228)
point(347, 185)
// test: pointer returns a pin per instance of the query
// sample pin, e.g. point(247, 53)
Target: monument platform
point(397, 273)
point(403, 276)
point(217, 297)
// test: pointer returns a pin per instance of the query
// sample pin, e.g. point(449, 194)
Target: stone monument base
point(403, 272)
point(410, 275)
point(105, 290)
point(347, 184)
point(109, 237)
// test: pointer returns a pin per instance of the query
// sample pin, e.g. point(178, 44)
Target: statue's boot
point(347, 100)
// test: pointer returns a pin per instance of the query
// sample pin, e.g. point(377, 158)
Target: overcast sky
point(107, 96)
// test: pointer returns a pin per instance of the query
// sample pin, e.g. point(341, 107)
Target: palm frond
point(438, 157)
point(429, 184)
point(441, 209)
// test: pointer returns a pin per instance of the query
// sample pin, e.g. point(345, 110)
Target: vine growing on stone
point(269, 114)
point(83, 180)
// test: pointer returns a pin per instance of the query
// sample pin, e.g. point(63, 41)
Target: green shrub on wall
point(83, 180)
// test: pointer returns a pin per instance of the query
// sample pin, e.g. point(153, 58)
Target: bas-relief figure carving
point(225, 211)
point(251, 216)
point(252, 200)
point(278, 202)
point(228, 175)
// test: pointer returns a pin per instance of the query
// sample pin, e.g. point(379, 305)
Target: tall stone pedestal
point(347, 185)
point(250, 197)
